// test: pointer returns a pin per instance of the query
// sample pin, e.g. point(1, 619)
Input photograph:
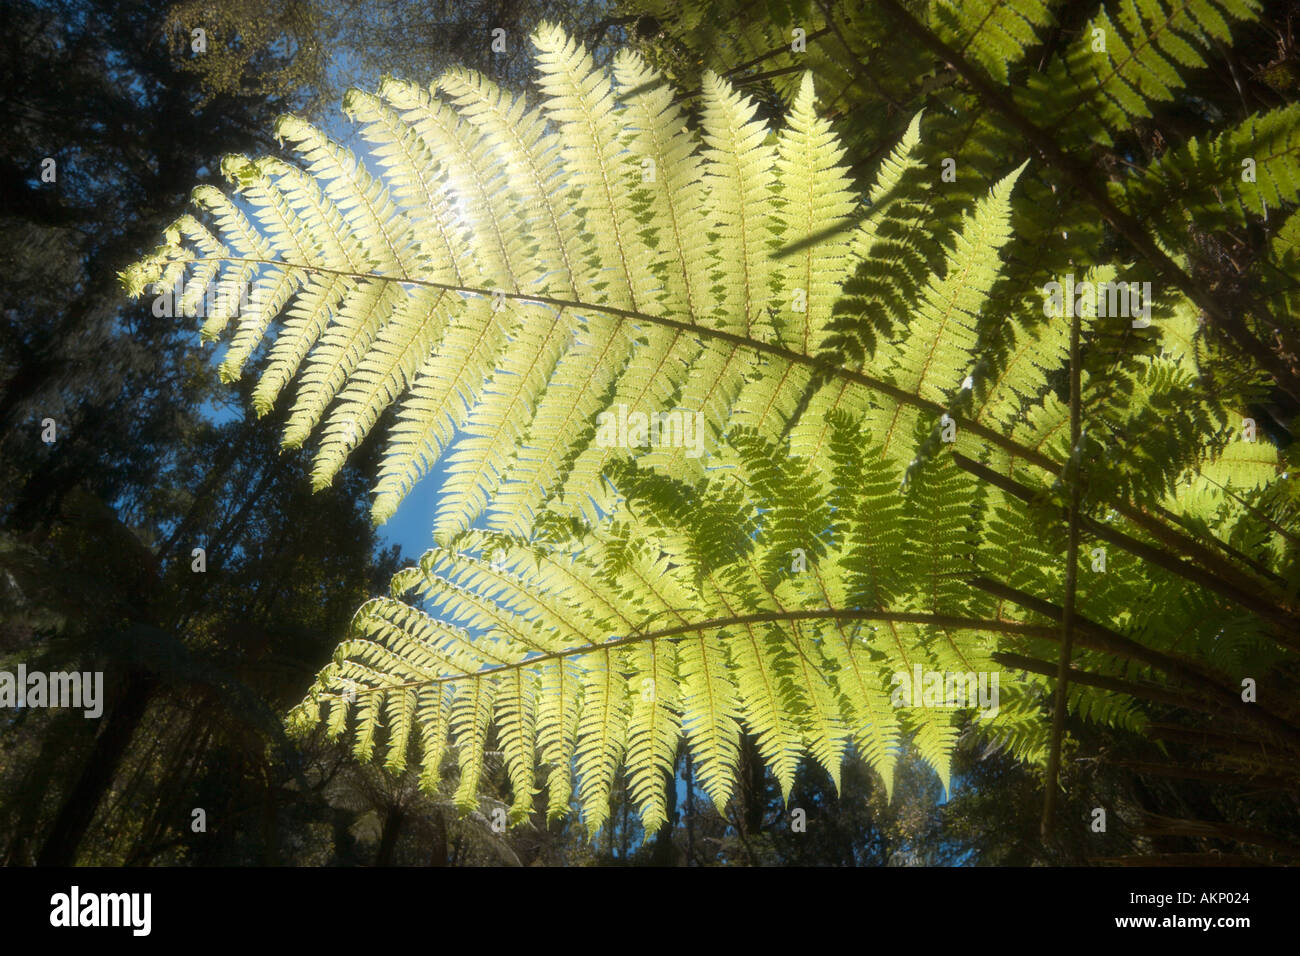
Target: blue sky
point(412, 525)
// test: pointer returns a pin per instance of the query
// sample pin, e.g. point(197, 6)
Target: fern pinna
point(513, 272)
point(877, 495)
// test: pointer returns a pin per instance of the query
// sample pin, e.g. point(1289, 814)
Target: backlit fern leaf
point(508, 274)
point(995, 33)
point(1243, 173)
point(389, 277)
point(1121, 65)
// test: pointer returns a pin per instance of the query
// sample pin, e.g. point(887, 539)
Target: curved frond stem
point(757, 345)
point(1286, 620)
point(1098, 637)
point(744, 620)
point(1071, 586)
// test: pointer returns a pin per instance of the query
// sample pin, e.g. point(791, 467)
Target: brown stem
point(742, 620)
point(740, 341)
point(1244, 778)
point(1098, 637)
point(1242, 745)
point(1149, 692)
point(784, 48)
point(1155, 825)
point(1071, 582)
point(1286, 620)
point(1180, 859)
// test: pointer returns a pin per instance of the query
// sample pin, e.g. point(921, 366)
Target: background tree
point(313, 51)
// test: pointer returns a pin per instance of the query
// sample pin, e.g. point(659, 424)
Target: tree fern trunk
point(438, 855)
point(388, 836)
point(754, 787)
point(78, 809)
point(690, 808)
point(36, 783)
point(270, 819)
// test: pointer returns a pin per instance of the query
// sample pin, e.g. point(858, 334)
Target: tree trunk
point(388, 838)
point(79, 806)
point(753, 785)
point(438, 854)
point(36, 784)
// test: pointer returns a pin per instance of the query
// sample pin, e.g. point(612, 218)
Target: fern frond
point(994, 33)
point(471, 715)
